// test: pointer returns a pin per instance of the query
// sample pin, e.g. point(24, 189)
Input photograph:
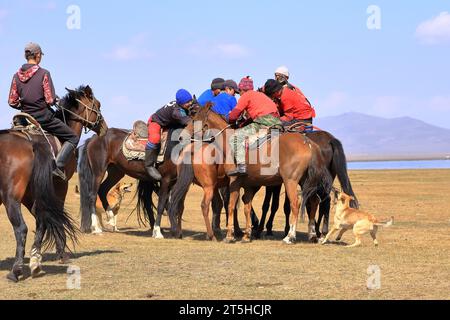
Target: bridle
point(211, 139)
point(88, 110)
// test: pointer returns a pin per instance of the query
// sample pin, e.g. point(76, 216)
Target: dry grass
point(413, 255)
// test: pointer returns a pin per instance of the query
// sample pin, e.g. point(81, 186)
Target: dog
point(347, 218)
point(115, 198)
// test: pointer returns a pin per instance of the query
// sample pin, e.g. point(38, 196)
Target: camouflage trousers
point(237, 140)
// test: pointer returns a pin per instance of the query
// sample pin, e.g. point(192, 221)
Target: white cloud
point(220, 50)
point(440, 103)
point(435, 31)
point(135, 49)
point(390, 106)
point(334, 103)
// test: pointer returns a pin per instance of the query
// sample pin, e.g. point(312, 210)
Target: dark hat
point(272, 86)
point(232, 84)
point(218, 83)
point(33, 48)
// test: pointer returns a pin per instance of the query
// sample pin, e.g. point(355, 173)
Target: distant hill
point(372, 138)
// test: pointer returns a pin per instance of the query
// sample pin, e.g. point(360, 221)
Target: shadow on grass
point(7, 265)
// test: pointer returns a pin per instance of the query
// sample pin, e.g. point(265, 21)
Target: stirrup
point(240, 171)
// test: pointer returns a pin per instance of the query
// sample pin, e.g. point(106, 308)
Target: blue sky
point(136, 54)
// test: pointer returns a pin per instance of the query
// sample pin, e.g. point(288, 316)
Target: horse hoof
point(313, 239)
point(12, 277)
point(35, 271)
point(246, 240)
point(289, 241)
point(229, 240)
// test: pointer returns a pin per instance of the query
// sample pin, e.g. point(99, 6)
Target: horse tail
point(318, 179)
point(88, 196)
point(339, 166)
point(49, 209)
point(179, 192)
point(145, 207)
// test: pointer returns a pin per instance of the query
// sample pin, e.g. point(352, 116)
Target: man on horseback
point(226, 101)
point(175, 113)
point(32, 92)
point(293, 105)
point(303, 110)
point(261, 110)
point(217, 86)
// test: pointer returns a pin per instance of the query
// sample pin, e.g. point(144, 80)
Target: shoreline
point(395, 159)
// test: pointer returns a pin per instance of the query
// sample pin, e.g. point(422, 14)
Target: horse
point(300, 162)
point(26, 165)
point(334, 155)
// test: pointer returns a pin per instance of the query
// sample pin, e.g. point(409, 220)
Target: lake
point(399, 165)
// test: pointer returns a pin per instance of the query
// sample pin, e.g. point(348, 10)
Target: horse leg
point(324, 211)
point(291, 191)
point(20, 232)
point(234, 197)
point(217, 206)
point(249, 194)
point(162, 203)
point(208, 194)
point(287, 214)
point(114, 177)
point(273, 210)
point(265, 210)
point(311, 208)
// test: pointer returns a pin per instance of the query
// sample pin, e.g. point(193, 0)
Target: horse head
point(81, 106)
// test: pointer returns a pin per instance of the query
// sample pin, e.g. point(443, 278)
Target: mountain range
point(373, 138)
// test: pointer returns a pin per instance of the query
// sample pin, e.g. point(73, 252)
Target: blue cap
point(183, 97)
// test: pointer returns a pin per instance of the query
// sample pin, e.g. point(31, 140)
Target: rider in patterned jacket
point(32, 92)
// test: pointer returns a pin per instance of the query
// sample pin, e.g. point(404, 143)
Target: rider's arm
point(180, 118)
point(240, 108)
point(49, 89)
point(14, 98)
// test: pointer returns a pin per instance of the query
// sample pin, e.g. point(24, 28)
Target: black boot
point(61, 160)
point(151, 155)
point(241, 170)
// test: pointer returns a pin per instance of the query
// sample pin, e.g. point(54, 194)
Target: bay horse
point(300, 163)
point(104, 154)
point(26, 166)
point(334, 156)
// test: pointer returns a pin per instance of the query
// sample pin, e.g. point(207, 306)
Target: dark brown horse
point(300, 162)
point(26, 165)
point(104, 154)
point(334, 156)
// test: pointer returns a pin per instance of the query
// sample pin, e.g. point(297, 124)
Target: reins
point(87, 124)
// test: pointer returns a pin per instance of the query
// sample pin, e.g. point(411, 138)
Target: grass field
point(414, 255)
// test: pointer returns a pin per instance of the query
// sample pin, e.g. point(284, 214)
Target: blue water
point(400, 165)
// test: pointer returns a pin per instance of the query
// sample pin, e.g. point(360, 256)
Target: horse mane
point(69, 101)
point(206, 111)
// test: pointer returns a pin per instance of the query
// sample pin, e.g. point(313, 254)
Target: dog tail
point(384, 222)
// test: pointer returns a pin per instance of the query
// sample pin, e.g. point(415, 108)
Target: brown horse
point(101, 154)
point(26, 166)
point(334, 156)
point(300, 162)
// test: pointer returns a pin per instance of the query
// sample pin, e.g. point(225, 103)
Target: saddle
point(134, 145)
point(26, 125)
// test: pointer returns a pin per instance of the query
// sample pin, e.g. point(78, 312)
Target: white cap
point(283, 70)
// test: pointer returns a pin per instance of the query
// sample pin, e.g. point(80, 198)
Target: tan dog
point(115, 197)
point(347, 218)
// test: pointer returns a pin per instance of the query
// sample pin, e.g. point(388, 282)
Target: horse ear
point(88, 92)
point(71, 92)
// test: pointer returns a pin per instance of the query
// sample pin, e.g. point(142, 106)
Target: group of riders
point(277, 103)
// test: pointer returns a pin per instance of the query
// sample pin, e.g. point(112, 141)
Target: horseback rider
point(282, 76)
point(264, 113)
point(226, 101)
point(293, 105)
point(217, 86)
point(32, 92)
point(173, 114)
